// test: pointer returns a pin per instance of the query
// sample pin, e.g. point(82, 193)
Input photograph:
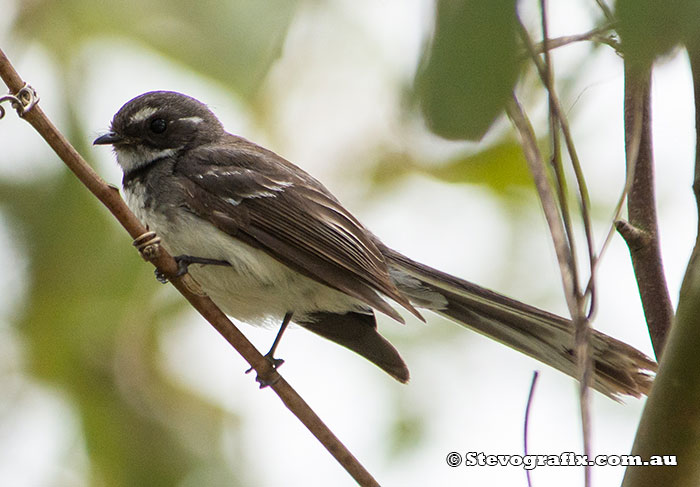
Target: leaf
point(500, 167)
point(650, 28)
point(232, 42)
point(469, 72)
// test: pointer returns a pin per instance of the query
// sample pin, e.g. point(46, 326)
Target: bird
point(268, 243)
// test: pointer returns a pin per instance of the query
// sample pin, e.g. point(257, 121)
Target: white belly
point(256, 288)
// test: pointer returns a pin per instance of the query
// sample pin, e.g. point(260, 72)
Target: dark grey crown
point(164, 119)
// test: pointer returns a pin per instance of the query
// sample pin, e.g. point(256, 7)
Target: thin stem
point(606, 10)
point(584, 198)
point(526, 425)
point(582, 338)
point(548, 78)
point(593, 35)
point(549, 206)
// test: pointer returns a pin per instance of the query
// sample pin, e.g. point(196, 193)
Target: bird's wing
point(256, 196)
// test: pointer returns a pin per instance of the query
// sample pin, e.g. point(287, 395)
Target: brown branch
point(670, 423)
point(110, 198)
point(635, 238)
point(641, 231)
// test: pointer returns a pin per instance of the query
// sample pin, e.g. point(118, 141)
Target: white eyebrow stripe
point(143, 114)
point(194, 119)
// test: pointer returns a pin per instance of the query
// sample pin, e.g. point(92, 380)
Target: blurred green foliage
point(471, 67)
point(233, 42)
point(91, 314)
point(92, 323)
point(652, 28)
point(500, 167)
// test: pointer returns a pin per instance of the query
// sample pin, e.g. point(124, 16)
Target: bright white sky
point(471, 392)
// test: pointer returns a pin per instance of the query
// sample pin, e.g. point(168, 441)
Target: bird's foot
point(268, 381)
point(183, 264)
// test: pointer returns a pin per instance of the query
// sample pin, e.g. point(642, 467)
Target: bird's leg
point(270, 356)
point(276, 362)
point(183, 263)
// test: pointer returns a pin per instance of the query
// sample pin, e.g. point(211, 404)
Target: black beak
point(108, 138)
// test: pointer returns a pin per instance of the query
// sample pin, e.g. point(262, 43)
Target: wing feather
point(262, 199)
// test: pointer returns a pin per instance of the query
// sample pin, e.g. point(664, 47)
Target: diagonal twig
point(109, 196)
point(606, 10)
point(535, 162)
point(597, 34)
point(559, 114)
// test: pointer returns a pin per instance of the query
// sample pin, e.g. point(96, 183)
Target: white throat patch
point(132, 158)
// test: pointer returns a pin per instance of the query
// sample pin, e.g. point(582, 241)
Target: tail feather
point(620, 369)
point(358, 332)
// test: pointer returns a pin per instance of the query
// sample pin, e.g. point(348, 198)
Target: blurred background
point(108, 378)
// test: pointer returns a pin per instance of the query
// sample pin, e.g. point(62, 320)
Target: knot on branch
point(23, 101)
point(635, 237)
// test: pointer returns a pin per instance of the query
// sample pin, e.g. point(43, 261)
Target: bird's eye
point(158, 125)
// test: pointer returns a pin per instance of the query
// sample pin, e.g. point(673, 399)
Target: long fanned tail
point(620, 369)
